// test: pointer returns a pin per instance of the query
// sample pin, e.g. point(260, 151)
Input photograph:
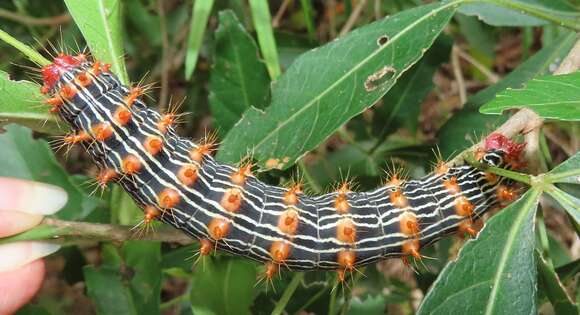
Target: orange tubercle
point(470, 227)
point(408, 223)
point(105, 176)
point(451, 185)
point(288, 221)
point(346, 259)
point(198, 153)
point(134, 93)
point(411, 247)
point(280, 251)
point(205, 247)
point(165, 121)
point(168, 198)
point(239, 177)
point(271, 269)
point(463, 206)
point(123, 115)
point(151, 213)
point(232, 199)
point(291, 196)
point(131, 164)
point(505, 193)
point(83, 79)
point(67, 92)
point(218, 228)
point(346, 231)
point(441, 168)
point(77, 137)
point(395, 180)
point(153, 144)
point(398, 199)
point(102, 131)
point(188, 174)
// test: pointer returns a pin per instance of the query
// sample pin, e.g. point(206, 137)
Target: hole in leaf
point(384, 75)
point(382, 40)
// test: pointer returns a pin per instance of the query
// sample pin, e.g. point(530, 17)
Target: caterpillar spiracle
point(178, 181)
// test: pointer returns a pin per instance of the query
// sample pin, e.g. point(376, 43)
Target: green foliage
point(555, 97)
point(383, 92)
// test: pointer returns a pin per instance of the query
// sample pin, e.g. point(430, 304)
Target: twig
point(352, 18)
point(280, 13)
point(458, 75)
point(491, 77)
point(82, 231)
point(34, 21)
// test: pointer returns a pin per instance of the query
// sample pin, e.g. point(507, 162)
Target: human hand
point(22, 206)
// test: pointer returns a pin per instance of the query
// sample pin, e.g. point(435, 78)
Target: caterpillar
point(179, 182)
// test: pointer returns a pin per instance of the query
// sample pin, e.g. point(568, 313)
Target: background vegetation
point(377, 90)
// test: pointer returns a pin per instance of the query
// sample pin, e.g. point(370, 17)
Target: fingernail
point(14, 222)
point(18, 254)
point(31, 197)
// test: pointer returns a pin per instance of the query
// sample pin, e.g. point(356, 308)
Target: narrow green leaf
point(556, 97)
point(21, 102)
point(567, 172)
point(239, 79)
point(570, 203)
point(554, 289)
point(228, 286)
point(522, 12)
point(308, 18)
point(144, 261)
point(105, 287)
point(101, 24)
point(199, 16)
point(327, 86)
point(26, 158)
point(494, 273)
point(263, 24)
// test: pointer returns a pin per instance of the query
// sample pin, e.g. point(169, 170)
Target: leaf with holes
point(327, 86)
point(556, 97)
point(504, 278)
point(21, 102)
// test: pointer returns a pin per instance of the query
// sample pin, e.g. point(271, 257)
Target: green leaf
point(227, 286)
point(199, 16)
point(21, 102)
point(144, 261)
point(105, 287)
point(465, 126)
point(402, 104)
point(567, 172)
point(100, 22)
point(570, 203)
point(26, 158)
point(494, 273)
point(554, 289)
point(327, 86)
point(517, 12)
point(239, 79)
point(263, 25)
point(556, 97)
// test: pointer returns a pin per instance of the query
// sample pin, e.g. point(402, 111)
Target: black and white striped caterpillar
point(179, 182)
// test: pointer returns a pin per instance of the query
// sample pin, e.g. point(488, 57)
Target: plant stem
point(32, 54)
point(70, 231)
point(524, 178)
point(279, 308)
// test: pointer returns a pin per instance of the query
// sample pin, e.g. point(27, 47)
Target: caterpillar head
point(61, 64)
point(500, 151)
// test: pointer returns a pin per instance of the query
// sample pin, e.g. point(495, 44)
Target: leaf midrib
point(508, 248)
point(347, 74)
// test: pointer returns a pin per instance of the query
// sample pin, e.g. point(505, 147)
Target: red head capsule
point(52, 72)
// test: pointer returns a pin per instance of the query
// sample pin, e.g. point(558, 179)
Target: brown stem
point(33, 21)
point(83, 231)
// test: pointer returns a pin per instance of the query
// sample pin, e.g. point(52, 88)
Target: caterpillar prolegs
point(180, 183)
